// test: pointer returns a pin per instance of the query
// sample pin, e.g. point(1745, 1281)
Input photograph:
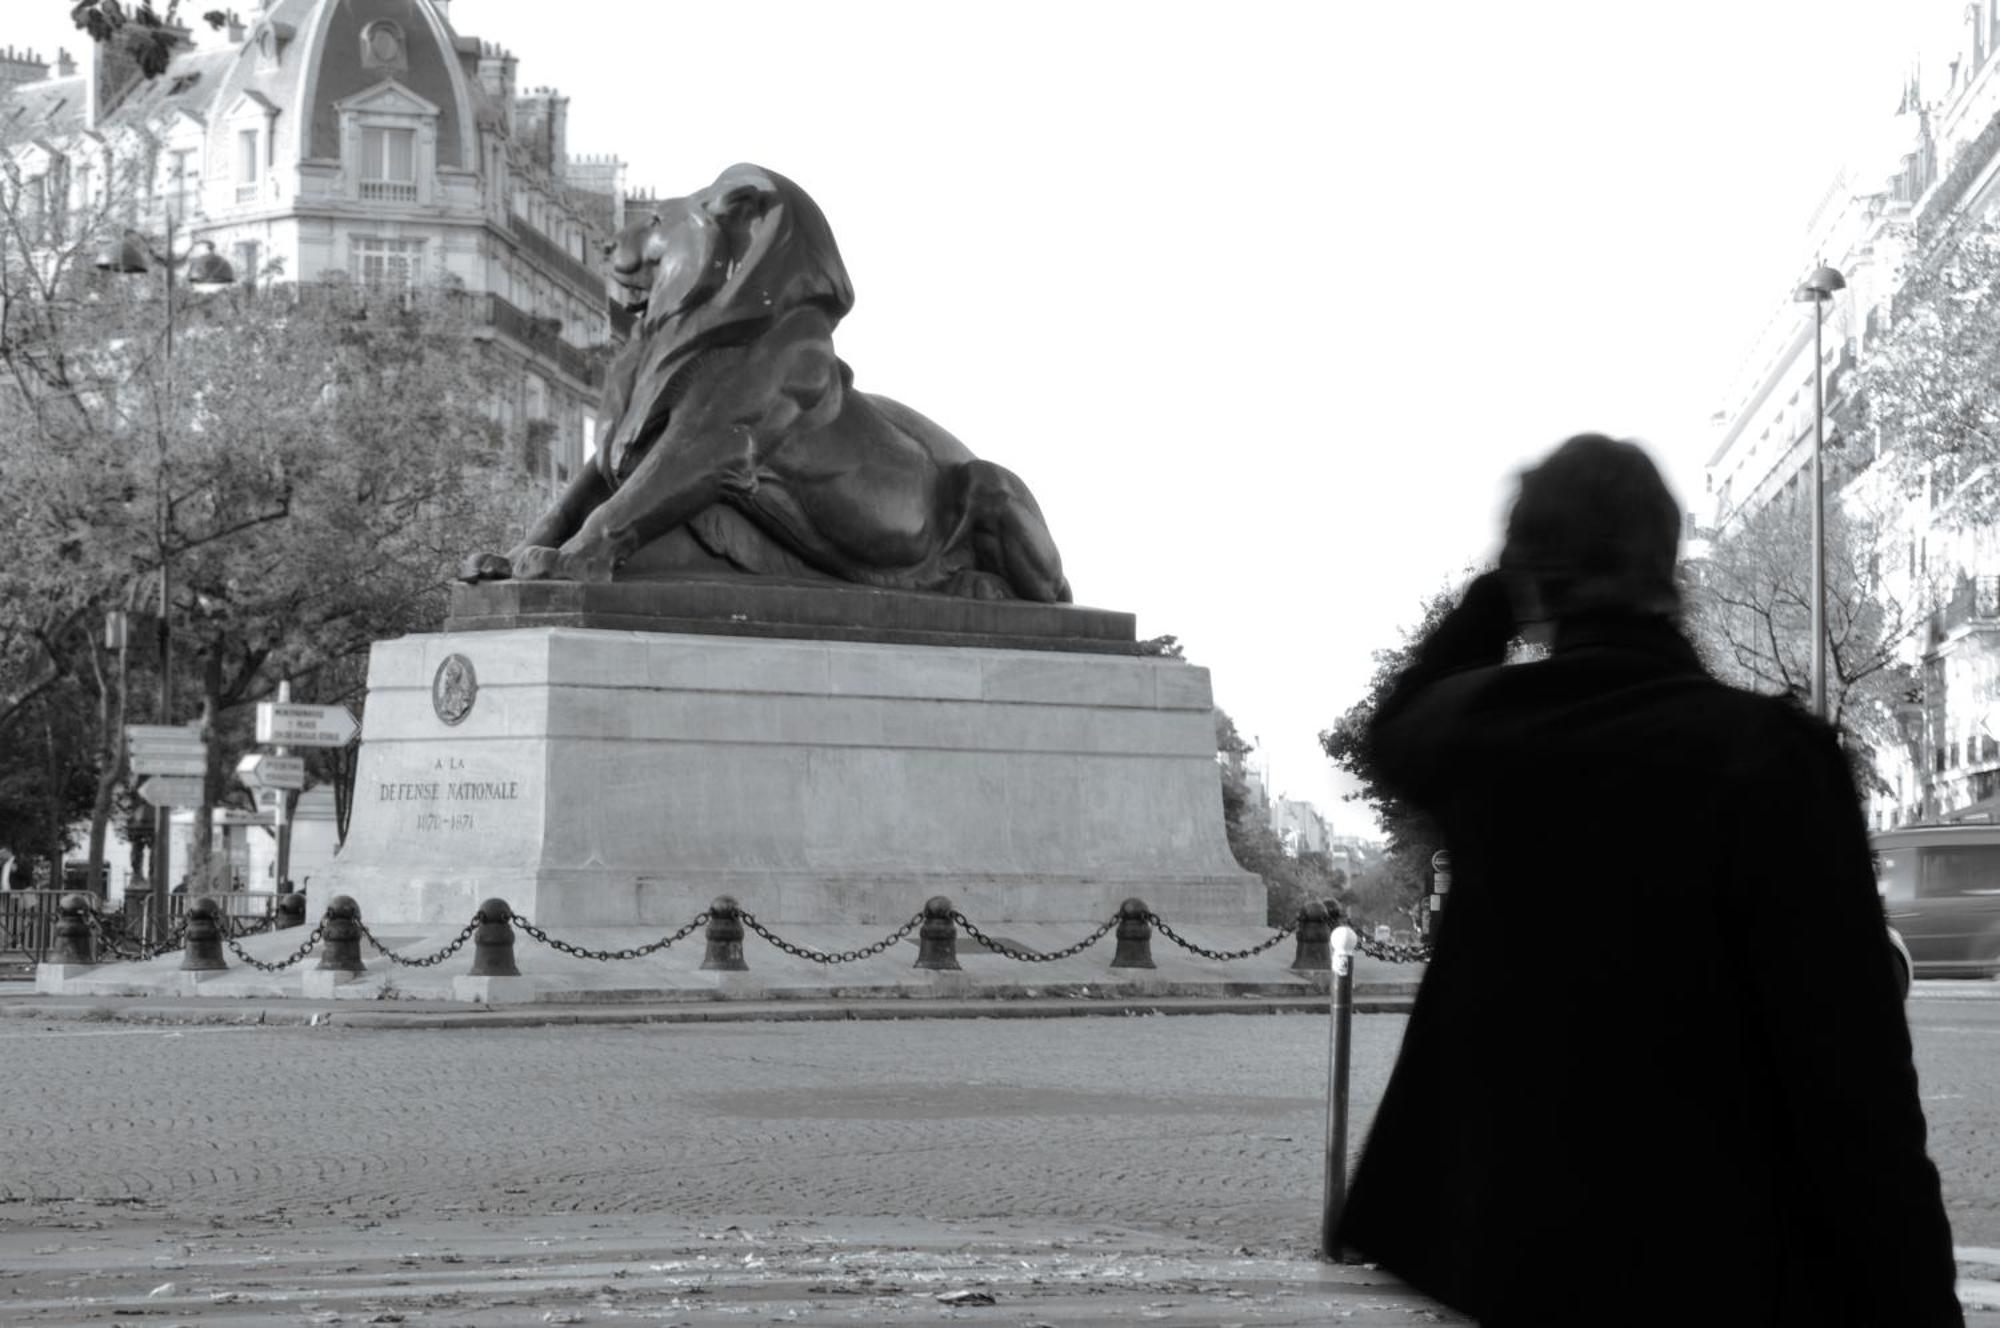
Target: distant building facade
point(1935, 162)
point(365, 141)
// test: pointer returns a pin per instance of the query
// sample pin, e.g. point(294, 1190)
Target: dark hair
point(1595, 528)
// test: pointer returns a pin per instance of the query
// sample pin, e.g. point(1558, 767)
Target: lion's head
point(749, 246)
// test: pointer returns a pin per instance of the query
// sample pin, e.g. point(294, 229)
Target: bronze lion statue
point(732, 440)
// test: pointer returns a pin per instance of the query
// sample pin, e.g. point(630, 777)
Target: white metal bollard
point(1344, 944)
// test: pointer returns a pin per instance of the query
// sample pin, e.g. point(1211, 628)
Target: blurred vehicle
point(1940, 889)
point(1904, 975)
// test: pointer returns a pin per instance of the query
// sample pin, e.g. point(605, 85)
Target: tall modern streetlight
point(1819, 288)
point(128, 255)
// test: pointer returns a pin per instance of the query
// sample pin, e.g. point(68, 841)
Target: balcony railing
point(1975, 599)
point(388, 191)
point(552, 255)
point(541, 335)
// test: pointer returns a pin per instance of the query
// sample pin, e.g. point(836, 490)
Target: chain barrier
point(1160, 925)
point(127, 946)
point(1026, 956)
point(283, 964)
point(824, 957)
point(428, 960)
point(606, 956)
point(239, 925)
point(1390, 952)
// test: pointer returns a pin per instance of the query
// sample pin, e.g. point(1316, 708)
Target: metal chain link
point(263, 967)
point(823, 956)
point(1160, 925)
point(1028, 957)
point(1390, 952)
point(631, 952)
point(125, 943)
point(239, 925)
point(427, 960)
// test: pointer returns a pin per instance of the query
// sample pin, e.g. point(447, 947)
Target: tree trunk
point(110, 765)
point(57, 770)
point(201, 842)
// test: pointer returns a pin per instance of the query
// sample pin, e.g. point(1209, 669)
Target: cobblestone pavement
point(1181, 1152)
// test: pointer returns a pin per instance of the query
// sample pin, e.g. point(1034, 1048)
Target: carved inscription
point(447, 799)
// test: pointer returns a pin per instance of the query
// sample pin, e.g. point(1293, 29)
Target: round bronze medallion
point(454, 689)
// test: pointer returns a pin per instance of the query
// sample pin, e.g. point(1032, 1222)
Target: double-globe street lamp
point(1818, 289)
point(131, 254)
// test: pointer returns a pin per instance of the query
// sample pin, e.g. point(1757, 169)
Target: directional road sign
point(283, 724)
point(264, 770)
point(166, 749)
point(232, 816)
point(163, 735)
point(170, 763)
point(168, 791)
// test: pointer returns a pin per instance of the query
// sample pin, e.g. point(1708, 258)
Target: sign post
point(283, 725)
point(1440, 883)
point(177, 752)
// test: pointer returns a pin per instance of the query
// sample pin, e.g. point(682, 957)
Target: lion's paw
point(537, 562)
point(585, 562)
point(479, 567)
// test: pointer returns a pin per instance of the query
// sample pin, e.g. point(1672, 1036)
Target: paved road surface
point(1181, 1152)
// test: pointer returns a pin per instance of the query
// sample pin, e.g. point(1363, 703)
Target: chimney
point(18, 67)
point(236, 29)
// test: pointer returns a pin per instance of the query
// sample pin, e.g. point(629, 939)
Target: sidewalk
point(569, 1269)
point(19, 1001)
point(575, 1269)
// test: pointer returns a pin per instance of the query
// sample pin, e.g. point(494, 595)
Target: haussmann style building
point(1934, 165)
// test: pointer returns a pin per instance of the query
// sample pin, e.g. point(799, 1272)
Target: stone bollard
point(1315, 930)
point(937, 939)
point(72, 936)
point(493, 941)
point(203, 953)
point(1135, 936)
point(291, 911)
point(725, 937)
point(340, 937)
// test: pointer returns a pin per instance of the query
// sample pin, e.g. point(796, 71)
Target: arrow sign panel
point(170, 763)
point(164, 732)
point(171, 792)
point(163, 738)
point(283, 724)
point(263, 770)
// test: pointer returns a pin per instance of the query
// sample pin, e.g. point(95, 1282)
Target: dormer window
point(248, 162)
point(388, 144)
point(389, 164)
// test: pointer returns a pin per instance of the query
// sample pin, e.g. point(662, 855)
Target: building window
point(247, 256)
point(389, 164)
point(183, 182)
point(386, 263)
point(247, 173)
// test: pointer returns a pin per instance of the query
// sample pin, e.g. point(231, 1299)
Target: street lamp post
point(1819, 288)
point(132, 254)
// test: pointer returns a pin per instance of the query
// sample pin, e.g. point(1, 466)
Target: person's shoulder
point(1769, 734)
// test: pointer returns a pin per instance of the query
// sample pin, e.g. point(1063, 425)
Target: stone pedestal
point(49, 978)
point(611, 778)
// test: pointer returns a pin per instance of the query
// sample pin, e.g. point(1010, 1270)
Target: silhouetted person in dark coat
point(1696, 1105)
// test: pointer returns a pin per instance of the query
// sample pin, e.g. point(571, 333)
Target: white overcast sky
point(1266, 302)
